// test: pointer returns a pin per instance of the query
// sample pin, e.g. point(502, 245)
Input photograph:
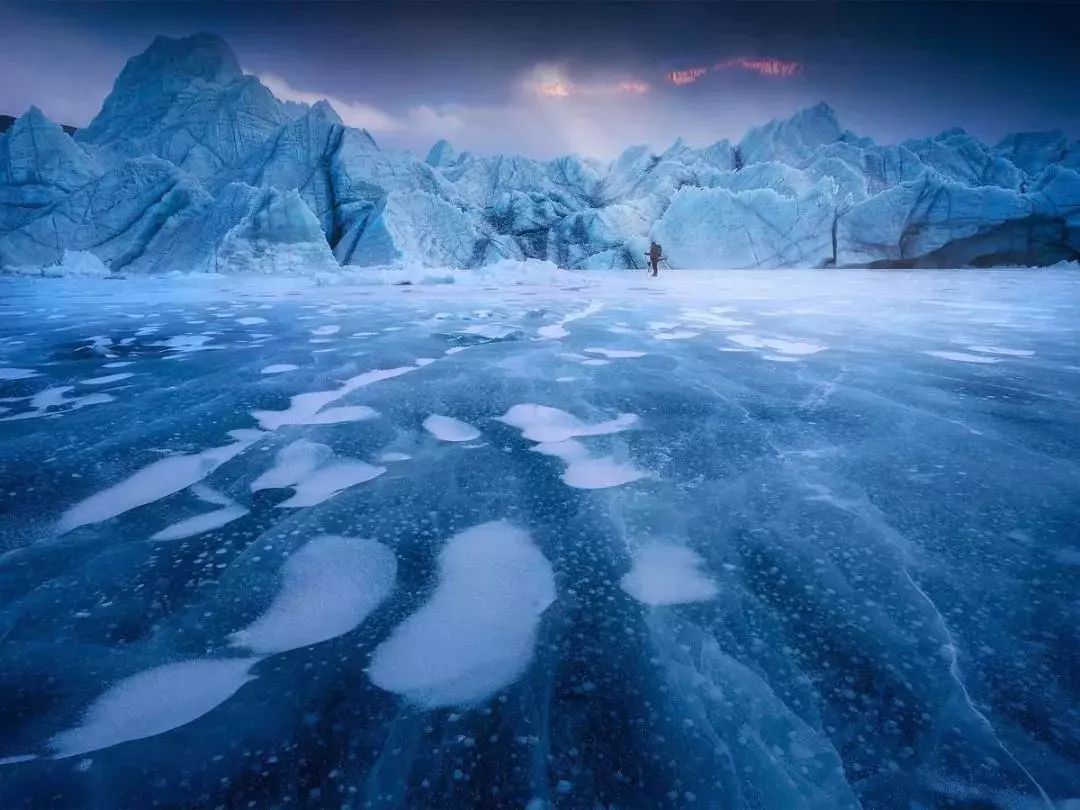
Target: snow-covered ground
point(776, 540)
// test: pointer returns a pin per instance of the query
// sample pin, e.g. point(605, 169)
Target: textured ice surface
point(752, 578)
point(476, 633)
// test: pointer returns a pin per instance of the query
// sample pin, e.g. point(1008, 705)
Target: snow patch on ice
point(675, 334)
point(294, 462)
point(304, 408)
point(962, 357)
point(154, 482)
point(278, 368)
point(667, 575)
point(109, 378)
point(788, 347)
point(44, 402)
point(314, 474)
point(328, 481)
point(153, 702)
point(615, 354)
point(448, 429)
point(185, 344)
point(16, 373)
point(558, 329)
point(586, 472)
point(541, 423)
point(200, 524)
point(328, 587)
point(476, 634)
point(1002, 352)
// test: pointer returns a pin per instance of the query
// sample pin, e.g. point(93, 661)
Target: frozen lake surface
point(762, 540)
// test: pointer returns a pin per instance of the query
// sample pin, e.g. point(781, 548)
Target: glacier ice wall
point(193, 166)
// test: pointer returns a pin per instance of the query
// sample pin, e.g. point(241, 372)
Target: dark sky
point(548, 77)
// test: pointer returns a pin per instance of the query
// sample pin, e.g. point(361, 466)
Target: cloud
point(550, 110)
point(353, 113)
point(687, 75)
point(766, 67)
point(439, 122)
point(553, 81)
point(763, 66)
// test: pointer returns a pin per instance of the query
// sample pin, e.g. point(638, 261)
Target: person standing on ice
point(655, 254)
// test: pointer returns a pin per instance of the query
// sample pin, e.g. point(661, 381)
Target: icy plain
point(788, 539)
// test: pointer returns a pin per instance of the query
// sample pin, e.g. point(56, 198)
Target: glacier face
point(183, 127)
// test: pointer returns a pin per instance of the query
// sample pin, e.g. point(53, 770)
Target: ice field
point(786, 539)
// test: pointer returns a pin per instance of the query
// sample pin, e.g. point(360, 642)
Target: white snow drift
point(328, 587)
point(476, 633)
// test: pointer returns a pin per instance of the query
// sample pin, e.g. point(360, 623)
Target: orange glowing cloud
point(556, 89)
point(687, 75)
point(554, 85)
point(765, 67)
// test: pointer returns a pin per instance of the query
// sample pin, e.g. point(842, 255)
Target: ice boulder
point(278, 235)
point(417, 227)
point(39, 164)
point(117, 216)
point(244, 230)
point(718, 228)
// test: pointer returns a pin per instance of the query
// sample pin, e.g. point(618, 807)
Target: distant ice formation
point(192, 166)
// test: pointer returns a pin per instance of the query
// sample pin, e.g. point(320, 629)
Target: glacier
point(194, 167)
point(721, 539)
